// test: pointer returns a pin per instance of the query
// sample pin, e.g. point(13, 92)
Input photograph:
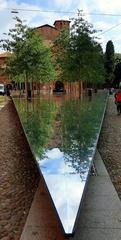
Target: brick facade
point(48, 32)
point(59, 24)
point(51, 32)
point(3, 77)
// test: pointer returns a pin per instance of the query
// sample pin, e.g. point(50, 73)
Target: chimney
point(59, 24)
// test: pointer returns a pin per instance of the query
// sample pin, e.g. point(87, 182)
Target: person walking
point(118, 99)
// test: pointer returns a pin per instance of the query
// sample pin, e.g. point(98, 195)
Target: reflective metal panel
point(63, 134)
point(64, 185)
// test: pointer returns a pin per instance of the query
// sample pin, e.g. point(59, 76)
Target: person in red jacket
point(118, 100)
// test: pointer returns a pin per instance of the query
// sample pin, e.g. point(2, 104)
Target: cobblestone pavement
point(3, 101)
point(110, 144)
point(18, 175)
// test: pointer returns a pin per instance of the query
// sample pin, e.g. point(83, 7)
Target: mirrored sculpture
point(63, 134)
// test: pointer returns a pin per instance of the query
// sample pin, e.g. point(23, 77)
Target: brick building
point(49, 34)
point(3, 77)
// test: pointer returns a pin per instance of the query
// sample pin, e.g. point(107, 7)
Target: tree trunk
point(80, 89)
point(28, 89)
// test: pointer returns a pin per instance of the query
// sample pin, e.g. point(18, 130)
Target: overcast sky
point(89, 7)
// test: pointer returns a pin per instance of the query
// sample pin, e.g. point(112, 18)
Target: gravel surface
point(109, 144)
point(19, 176)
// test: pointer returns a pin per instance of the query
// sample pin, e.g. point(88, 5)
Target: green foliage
point(109, 62)
point(80, 130)
point(117, 58)
point(117, 74)
point(37, 117)
point(30, 59)
point(79, 57)
point(61, 53)
point(72, 126)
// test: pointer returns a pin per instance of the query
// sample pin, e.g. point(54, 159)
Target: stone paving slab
point(100, 216)
point(102, 186)
point(97, 234)
point(100, 219)
point(101, 202)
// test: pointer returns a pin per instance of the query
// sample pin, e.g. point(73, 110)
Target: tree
point(117, 75)
point(61, 55)
point(79, 57)
point(80, 124)
point(30, 59)
point(109, 63)
point(117, 57)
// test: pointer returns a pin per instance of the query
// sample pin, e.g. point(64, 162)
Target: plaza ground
point(100, 217)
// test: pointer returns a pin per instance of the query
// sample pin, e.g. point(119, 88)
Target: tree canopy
point(79, 56)
point(30, 59)
point(109, 63)
point(117, 75)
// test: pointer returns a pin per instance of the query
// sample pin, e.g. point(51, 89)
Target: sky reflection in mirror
point(63, 134)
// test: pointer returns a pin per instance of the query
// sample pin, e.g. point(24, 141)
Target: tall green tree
point(79, 56)
point(61, 50)
point(109, 63)
point(117, 74)
point(30, 59)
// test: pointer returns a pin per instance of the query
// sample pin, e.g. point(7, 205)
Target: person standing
point(118, 100)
